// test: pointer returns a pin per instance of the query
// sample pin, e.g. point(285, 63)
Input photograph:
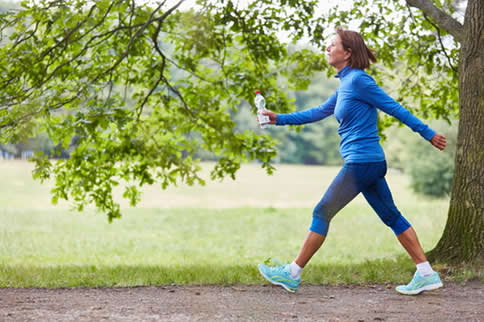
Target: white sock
point(296, 270)
point(425, 269)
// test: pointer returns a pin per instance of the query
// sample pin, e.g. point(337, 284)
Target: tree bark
point(463, 237)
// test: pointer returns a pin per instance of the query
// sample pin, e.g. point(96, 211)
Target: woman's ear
point(347, 54)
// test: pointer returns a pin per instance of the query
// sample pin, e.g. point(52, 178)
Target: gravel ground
point(379, 302)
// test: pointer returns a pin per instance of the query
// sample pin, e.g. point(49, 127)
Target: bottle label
point(263, 119)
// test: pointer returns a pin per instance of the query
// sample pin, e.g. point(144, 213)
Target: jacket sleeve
point(371, 93)
point(310, 115)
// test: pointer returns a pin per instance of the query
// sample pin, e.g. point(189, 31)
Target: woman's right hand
point(439, 141)
point(272, 116)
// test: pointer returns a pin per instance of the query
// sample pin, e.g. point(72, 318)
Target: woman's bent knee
point(400, 225)
point(319, 226)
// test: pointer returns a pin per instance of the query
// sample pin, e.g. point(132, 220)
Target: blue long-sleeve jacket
point(355, 106)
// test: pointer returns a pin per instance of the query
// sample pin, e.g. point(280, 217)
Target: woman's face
point(337, 56)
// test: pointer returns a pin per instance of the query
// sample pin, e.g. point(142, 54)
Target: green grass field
point(213, 234)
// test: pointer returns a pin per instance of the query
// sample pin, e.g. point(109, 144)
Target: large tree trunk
point(463, 237)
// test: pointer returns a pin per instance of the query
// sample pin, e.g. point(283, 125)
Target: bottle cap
point(257, 92)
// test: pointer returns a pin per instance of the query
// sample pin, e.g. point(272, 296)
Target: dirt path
point(455, 302)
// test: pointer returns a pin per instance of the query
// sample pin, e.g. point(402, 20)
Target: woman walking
point(355, 105)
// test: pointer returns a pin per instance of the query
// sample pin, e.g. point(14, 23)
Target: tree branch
point(441, 44)
point(65, 40)
point(442, 19)
point(28, 116)
point(136, 35)
point(162, 70)
point(27, 37)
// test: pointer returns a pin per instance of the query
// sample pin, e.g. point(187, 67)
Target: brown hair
point(361, 56)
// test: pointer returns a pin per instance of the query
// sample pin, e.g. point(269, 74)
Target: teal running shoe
point(280, 275)
point(420, 284)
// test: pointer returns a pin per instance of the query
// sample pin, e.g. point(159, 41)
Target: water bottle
point(260, 103)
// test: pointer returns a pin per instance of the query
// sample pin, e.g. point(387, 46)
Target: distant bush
point(430, 170)
point(431, 174)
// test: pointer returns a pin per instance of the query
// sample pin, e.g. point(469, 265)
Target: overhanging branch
point(442, 44)
point(442, 19)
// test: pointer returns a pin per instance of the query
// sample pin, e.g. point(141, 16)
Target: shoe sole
point(430, 287)
point(276, 283)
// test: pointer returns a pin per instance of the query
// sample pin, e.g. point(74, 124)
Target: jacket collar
point(343, 72)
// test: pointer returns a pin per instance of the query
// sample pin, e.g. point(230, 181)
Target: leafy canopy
point(136, 89)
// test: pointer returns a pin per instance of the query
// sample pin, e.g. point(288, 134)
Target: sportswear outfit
point(354, 105)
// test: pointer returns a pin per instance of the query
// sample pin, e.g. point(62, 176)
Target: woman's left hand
point(439, 141)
